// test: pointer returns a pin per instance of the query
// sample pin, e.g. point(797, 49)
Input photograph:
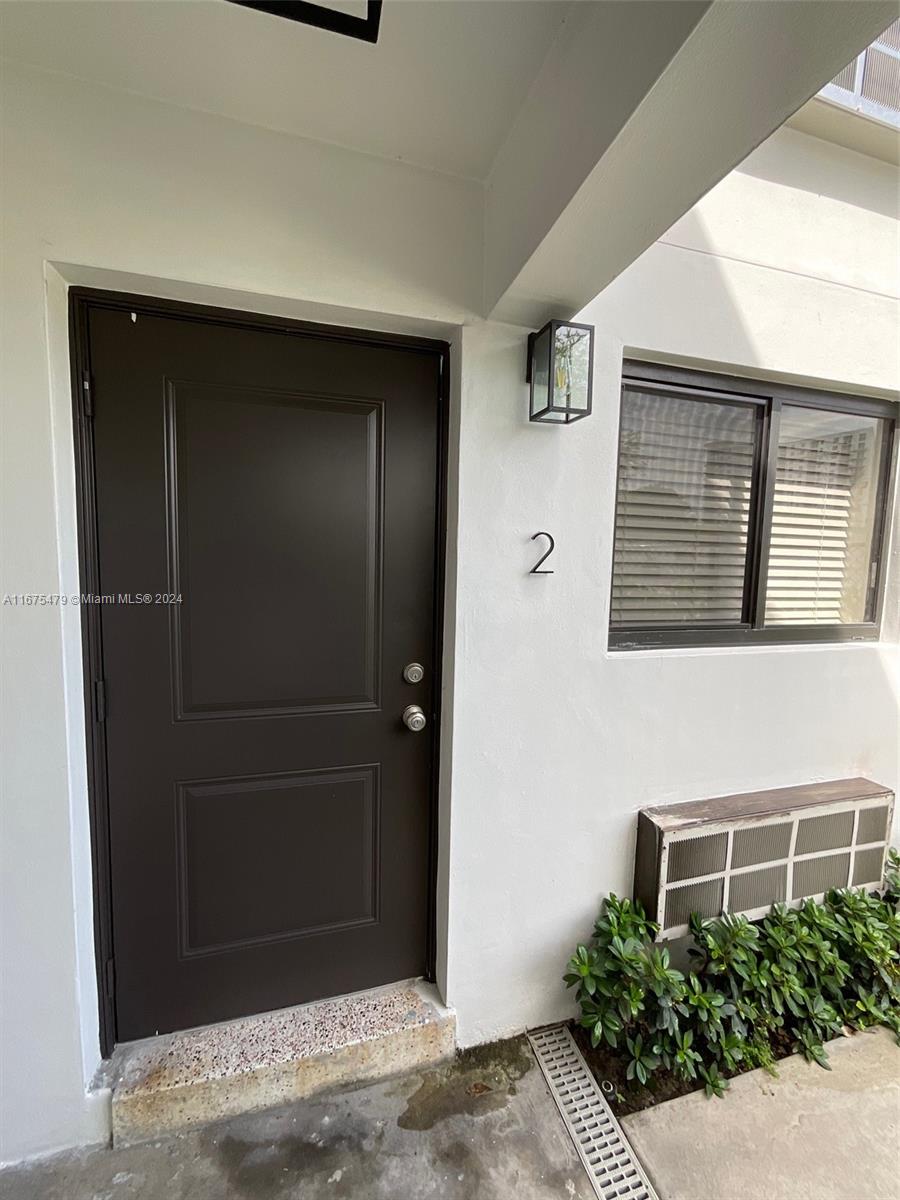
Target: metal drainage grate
point(608, 1158)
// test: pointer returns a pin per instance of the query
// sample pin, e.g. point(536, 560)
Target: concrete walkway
point(808, 1135)
point(484, 1128)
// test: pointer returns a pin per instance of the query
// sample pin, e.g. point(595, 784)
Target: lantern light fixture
point(560, 369)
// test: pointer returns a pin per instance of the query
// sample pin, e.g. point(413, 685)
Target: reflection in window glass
point(682, 510)
point(572, 362)
point(825, 501)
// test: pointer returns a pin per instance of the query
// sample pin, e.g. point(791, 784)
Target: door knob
point(414, 719)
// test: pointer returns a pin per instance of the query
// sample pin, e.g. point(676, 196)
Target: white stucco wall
point(556, 742)
point(151, 198)
point(788, 268)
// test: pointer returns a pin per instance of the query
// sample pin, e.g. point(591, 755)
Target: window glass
point(682, 510)
point(573, 364)
point(824, 518)
point(719, 542)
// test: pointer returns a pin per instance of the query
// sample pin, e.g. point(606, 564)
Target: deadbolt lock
point(413, 672)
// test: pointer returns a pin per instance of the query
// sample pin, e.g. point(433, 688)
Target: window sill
point(764, 646)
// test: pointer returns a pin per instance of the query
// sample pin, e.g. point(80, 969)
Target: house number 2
point(534, 570)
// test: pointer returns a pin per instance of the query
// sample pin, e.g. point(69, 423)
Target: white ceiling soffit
point(596, 124)
point(741, 70)
point(440, 88)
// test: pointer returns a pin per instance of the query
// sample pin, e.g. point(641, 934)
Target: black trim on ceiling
point(321, 17)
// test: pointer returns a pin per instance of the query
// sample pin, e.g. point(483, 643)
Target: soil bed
point(609, 1066)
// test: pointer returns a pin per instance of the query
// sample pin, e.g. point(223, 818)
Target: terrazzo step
point(168, 1083)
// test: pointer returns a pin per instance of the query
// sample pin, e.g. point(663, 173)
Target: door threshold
point(163, 1084)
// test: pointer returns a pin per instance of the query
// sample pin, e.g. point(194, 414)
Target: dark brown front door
point(266, 506)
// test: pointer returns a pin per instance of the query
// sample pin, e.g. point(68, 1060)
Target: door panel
point(268, 811)
point(294, 897)
point(313, 469)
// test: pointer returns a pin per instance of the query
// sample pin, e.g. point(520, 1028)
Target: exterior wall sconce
point(560, 371)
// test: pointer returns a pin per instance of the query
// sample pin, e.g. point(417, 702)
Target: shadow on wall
point(674, 727)
point(795, 160)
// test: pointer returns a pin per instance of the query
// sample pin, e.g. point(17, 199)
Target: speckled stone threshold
point(167, 1083)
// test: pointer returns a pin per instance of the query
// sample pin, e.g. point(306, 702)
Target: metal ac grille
point(761, 844)
point(751, 889)
point(813, 876)
point(831, 832)
point(867, 865)
point(784, 858)
point(872, 824)
point(610, 1162)
point(705, 897)
point(698, 856)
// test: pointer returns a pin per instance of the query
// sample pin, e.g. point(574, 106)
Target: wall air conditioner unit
point(744, 853)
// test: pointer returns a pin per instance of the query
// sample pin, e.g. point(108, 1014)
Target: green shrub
point(802, 974)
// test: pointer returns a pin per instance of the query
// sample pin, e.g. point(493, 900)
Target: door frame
point(81, 300)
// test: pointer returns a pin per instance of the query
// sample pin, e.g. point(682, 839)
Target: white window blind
point(823, 517)
point(870, 84)
point(682, 509)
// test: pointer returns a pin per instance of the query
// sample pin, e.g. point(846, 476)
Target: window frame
point(767, 399)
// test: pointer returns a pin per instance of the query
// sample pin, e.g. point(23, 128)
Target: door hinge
point(87, 393)
point(100, 699)
point(109, 978)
